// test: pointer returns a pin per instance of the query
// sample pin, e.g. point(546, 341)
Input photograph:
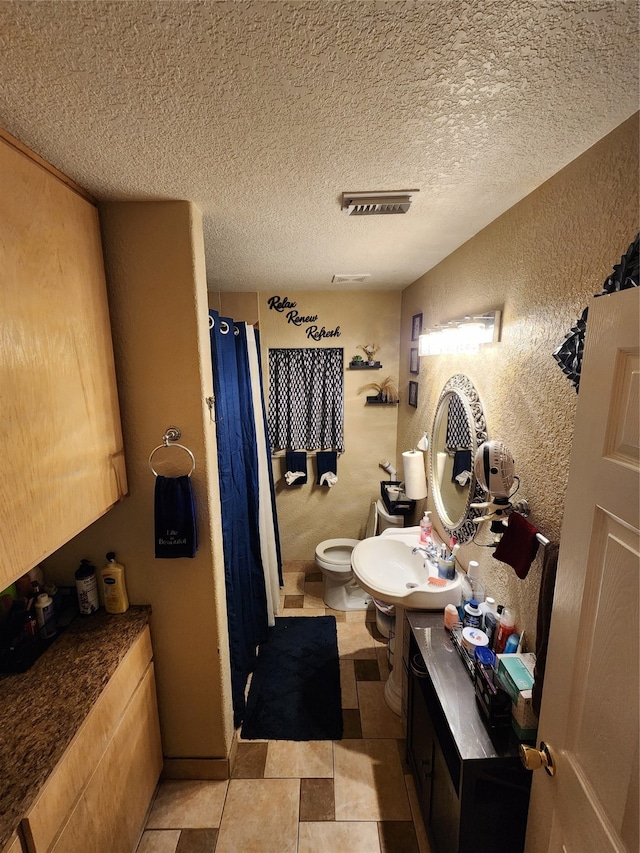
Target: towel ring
point(170, 439)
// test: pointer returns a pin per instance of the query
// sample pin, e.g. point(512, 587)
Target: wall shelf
point(363, 365)
point(374, 401)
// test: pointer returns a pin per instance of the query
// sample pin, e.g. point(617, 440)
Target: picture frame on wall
point(413, 394)
point(416, 326)
point(414, 365)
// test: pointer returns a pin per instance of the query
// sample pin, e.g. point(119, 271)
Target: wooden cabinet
point(14, 845)
point(61, 450)
point(473, 791)
point(97, 797)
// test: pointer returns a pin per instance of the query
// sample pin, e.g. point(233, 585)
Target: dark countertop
point(43, 708)
point(455, 692)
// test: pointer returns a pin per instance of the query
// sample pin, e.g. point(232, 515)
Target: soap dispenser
point(426, 529)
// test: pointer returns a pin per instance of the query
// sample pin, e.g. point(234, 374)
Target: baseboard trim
point(196, 768)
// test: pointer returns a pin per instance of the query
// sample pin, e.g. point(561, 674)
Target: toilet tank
point(385, 519)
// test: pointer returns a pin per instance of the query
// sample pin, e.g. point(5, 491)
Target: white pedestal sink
point(387, 568)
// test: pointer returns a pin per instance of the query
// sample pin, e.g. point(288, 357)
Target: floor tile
point(357, 837)
point(348, 684)
point(339, 615)
point(352, 727)
point(377, 718)
point(293, 583)
point(159, 841)
point(355, 641)
point(299, 759)
point(402, 752)
point(260, 816)
point(369, 783)
point(317, 800)
point(197, 841)
point(366, 615)
point(314, 594)
point(250, 760)
point(418, 824)
point(397, 836)
point(367, 670)
point(383, 662)
point(300, 611)
point(293, 601)
point(188, 805)
point(314, 577)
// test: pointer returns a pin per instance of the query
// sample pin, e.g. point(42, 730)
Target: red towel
point(518, 545)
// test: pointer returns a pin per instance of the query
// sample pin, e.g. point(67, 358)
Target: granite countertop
point(455, 692)
point(42, 709)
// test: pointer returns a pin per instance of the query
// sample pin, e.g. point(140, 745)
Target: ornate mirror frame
point(460, 386)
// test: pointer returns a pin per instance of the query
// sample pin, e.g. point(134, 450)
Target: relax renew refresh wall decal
point(281, 304)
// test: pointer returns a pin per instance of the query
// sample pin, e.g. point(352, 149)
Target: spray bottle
point(114, 590)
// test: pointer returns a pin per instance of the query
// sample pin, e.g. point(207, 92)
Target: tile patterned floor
point(353, 795)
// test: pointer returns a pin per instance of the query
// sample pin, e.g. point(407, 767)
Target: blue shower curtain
point(238, 467)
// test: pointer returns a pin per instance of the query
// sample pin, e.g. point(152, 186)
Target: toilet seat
point(336, 553)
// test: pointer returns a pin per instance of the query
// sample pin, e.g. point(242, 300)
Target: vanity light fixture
point(464, 335)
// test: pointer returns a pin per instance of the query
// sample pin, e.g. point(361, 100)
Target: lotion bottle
point(114, 590)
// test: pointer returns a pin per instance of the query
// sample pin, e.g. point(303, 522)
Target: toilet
point(333, 558)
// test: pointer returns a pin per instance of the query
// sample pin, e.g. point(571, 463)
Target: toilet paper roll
point(415, 481)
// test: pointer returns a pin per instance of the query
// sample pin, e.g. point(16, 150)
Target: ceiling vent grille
point(377, 203)
point(344, 278)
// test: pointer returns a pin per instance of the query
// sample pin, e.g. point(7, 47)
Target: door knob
point(533, 758)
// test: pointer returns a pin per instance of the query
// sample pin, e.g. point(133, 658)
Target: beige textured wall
point(158, 299)
point(539, 262)
point(309, 514)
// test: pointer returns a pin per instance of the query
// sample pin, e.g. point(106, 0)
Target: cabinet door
point(61, 452)
point(111, 812)
point(420, 746)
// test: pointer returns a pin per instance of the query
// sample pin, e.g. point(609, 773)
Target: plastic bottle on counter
point(45, 616)
point(426, 529)
point(87, 588)
point(472, 615)
point(506, 627)
point(114, 590)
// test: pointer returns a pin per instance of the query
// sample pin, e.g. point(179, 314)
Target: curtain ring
point(236, 330)
point(212, 322)
point(224, 327)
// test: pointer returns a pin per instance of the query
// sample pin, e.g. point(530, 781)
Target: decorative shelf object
point(378, 401)
point(364, 365)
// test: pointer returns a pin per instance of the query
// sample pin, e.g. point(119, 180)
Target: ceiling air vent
point(340, 278)
point(375, 203)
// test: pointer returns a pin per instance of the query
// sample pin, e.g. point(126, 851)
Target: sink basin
point(387, 569)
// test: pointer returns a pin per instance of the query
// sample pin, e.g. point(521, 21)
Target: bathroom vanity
point(472, 788)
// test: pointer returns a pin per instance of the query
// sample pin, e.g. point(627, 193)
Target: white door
point(589, 714)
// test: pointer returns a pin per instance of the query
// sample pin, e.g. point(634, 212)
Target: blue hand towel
point(461, 467)
point(327, 464)
point(295, 467)
point(176, 534)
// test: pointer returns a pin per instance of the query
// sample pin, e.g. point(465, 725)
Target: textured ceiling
point(264, 112)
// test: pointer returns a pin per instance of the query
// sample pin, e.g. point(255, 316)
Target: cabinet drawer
point(85, 751)
point(111, 812)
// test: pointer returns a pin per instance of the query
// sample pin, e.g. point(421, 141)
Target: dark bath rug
point(295, 688)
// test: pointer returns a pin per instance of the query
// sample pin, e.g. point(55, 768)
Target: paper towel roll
point(415, 481)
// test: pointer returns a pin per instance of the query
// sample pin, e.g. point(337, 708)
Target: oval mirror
point(459, 428)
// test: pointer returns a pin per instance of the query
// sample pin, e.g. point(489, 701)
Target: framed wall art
point(414, 364)
point(413, 394)
point(416, 326)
